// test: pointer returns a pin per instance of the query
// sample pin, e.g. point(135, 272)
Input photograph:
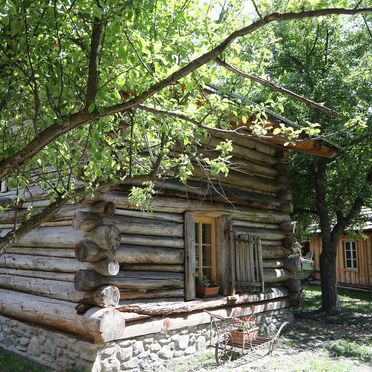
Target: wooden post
point(189, 256)
point(223, 253)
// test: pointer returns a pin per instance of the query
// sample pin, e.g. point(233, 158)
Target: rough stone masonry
point(59, 351)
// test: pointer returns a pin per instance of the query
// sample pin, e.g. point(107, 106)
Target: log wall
point(360, 277)
point(104, 250)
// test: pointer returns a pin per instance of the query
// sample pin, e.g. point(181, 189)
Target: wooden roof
point(317, 146)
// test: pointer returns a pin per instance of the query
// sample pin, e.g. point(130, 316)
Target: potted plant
point(246, 331)
point(207, 288)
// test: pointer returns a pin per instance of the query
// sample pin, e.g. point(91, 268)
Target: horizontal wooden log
point(273, 264)
point(259, 225)
point(200, 190)
point(293, 263)
point(246, 166)
point(103, 209)
point(87, 251)
point(249, 143)
point(180, 205)
point(132, 254)
point(107, 267)
point(49, 252)
point(58, 237)
point(173, 217)
point(276, 275)
point(5, 201)
point(88, 280)
point(241, 180)
point(264, 234)
point(134, 295)
point(142, 226)
point(103, 297)
point(64, 277)
point(159, 324)
point(166, 268)
point(244, 152)
point(99, 325)
point(65, 214)
point(289, 227)
point(152, 241)
point(107, 237)
point(57, 264)
point(274, 251)
point(172, 306)
point(85, 221)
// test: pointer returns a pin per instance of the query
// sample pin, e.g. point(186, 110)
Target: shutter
point(247, 271)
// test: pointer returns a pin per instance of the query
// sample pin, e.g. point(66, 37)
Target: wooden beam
point(190, 260)
point(97, 324)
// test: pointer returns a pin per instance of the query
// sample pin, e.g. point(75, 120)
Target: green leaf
point(91, 107)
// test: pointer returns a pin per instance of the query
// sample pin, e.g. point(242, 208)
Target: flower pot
point(238, 337)
point(207, 291)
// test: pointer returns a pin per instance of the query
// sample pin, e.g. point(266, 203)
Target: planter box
point(238, 337)
point(207, 291)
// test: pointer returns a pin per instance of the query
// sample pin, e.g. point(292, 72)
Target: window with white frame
point(350, 254)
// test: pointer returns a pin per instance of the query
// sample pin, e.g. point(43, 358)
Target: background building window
point(350, 254)
point(205, 248)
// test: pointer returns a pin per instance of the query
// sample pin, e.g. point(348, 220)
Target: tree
point(330, 64)
point(109, 91)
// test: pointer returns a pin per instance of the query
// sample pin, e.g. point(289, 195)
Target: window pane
point(207, 235)
point(349, 264)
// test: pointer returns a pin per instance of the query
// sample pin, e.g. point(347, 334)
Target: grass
point(351, 349)
point(345, 334)
point(11, 362)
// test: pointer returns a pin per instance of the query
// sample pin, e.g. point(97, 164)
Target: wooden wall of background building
point(360, 277)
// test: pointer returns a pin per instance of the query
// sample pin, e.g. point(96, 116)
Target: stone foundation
point(148, 352)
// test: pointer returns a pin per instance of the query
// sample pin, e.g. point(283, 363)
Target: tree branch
point(11, 163)
point(276, 88)
point(93, 62)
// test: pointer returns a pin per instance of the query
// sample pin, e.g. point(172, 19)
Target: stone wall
point(148, 352)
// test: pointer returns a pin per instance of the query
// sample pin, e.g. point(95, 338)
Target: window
point(205, 248)
point(350, 254)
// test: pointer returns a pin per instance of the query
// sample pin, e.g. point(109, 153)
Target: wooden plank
point(161, 324)
point(190, 260)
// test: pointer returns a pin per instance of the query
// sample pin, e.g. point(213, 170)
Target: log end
point(107, 296)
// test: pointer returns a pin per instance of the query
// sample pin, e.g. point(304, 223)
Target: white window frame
point(350, 263)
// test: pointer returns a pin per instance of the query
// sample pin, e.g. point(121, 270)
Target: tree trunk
point(330, 303)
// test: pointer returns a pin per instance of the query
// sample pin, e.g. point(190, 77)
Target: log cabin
point(354, 256)
point(105, 286)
